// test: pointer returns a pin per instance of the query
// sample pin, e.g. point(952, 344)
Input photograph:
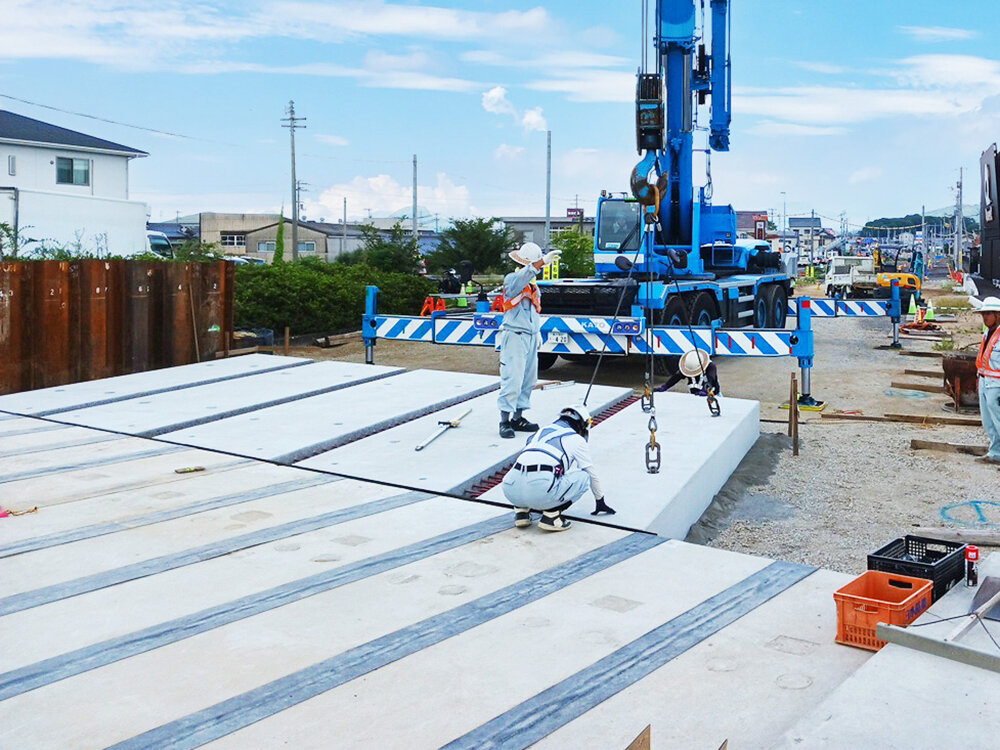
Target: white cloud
point(590, 85)
point(938, 33)
point(820, 67)
point(771, 127)
point(383, 195)
point(377, 18)
point(495, 101)
point(332, 140)
point(505, 152)
point(948, 71)
point(381, 61)
point(533, 120)
point(865, 174)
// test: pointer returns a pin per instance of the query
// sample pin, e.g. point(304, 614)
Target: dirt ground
point(855, 485)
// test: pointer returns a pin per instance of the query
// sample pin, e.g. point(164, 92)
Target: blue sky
point(864, 107)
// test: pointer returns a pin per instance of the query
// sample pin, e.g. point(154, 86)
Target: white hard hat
point(693, 361)
point(578, 412)
point(990, 304)
point(527, 254)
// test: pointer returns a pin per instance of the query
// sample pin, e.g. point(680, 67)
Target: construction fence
point(67, 321)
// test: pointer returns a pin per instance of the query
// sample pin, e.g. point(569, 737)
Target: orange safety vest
point(986, 350)
point(531, 293)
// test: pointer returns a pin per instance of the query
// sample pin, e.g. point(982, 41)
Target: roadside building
point(808, 231)
point(532, 228)
point(63, 188)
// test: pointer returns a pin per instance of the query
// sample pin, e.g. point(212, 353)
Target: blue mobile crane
point(671, 273)
point(666, 248)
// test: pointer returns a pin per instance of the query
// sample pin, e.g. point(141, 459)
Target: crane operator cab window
point(619, 228)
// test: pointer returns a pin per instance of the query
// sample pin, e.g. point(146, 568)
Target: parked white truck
point(849, 275)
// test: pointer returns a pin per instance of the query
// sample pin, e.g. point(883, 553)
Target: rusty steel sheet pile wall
point(63, 322)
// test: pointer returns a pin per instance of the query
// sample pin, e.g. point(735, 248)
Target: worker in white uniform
point(519, 336)
point(988, 367)
point(554, 470)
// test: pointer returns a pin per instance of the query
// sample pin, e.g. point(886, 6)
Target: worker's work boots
point(552, 520)
point(522, 517)
point(520, 424)
point(506, 429)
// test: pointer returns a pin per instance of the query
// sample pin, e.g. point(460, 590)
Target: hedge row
point(318, 297)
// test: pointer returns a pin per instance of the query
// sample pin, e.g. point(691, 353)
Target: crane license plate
point(558, 337)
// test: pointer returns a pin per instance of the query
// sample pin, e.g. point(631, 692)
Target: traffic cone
point(913, 305)
point(930, 310)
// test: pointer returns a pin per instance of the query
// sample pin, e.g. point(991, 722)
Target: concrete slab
point(699, 453)
point(461, 456)
point(85, 518)
point(902, 698)
point(60, 398)
point(302, 429)
point(189, 407)
point(254, 622)
point(48, 489)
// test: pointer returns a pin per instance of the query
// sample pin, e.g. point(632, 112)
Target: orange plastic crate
point(875, 597)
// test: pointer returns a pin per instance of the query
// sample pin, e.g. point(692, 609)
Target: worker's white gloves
point(551, 256)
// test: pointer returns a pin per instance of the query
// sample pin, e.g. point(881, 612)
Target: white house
point(61, 187)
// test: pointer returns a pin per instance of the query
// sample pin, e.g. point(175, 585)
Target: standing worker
point(519, 336)
point(554, 470)
point(988, 367)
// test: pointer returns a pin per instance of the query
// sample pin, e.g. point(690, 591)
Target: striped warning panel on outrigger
point(405, 328)
point(754, 343)
point(862, 309)
point(676, 341)
point(821, 308)
point(462, 332)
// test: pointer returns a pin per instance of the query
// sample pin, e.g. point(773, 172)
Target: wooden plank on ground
point(933, 445)
point(854, 417)
point(984, 537)
point(908, 353)
point(644, 741)
point(925, 373)
point(919, 387)
point(928, 419)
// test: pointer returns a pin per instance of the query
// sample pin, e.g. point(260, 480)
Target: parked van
point(159, 244)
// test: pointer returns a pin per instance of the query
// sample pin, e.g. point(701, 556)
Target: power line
point(112, 122)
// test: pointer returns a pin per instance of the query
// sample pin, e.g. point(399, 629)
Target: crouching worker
point(554, 470)
point(700, 371)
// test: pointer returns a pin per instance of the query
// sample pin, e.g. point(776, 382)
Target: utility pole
point(292, 125)
point(958, 224)
point(548, 190)
point(343, 236)
point(923, 234)
point(414, 199)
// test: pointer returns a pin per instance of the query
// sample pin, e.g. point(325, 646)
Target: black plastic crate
point(936, 560)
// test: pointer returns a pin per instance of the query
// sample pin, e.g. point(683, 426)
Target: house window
point(307, 247)
point(12, 165)
point(72, 171)
point(233, 240)
point(267, 247)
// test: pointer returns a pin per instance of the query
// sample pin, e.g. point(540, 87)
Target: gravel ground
point(855, 485)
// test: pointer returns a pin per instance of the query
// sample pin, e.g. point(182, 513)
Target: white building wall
point(35, 169)
point(98, 224)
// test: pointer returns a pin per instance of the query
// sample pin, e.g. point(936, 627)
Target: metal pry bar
point(446, 424)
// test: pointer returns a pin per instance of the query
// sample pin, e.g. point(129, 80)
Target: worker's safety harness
point(986, 350)
point(529, 293)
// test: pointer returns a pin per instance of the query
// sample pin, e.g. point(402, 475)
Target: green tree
point(279, 243)
point(485, 242)
point(577, 260)
point(396, 252)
